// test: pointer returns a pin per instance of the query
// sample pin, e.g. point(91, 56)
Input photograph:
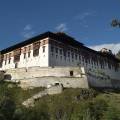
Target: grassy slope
point(16, 93)
point(72, 104)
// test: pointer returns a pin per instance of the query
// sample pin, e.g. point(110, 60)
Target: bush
point(112, 114)
point(7, 107)
point(86, 94)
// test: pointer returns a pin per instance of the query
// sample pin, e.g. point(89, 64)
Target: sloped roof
point(57, 36)
point(62, 37)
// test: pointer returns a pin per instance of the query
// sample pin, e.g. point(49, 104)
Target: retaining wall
point(67, 82)
point(23, 73)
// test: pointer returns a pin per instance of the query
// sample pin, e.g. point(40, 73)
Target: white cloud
point(28, 27)
point(61, 27)
point(84, 15)
point(28, 31)
point(28, 34)
point(114, 47)
point(83, 18)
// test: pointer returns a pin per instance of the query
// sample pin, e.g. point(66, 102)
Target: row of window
point(75, 56)
point(18, 52)
point(83, 61)
point(17, 57)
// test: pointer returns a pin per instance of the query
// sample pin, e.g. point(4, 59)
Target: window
point(43, 42)
point(43, 49)
point(52, 49)
point(16, 65)
point(68, 54)
point(9, 60)
point(28, 54)
point(29, 48)
point(24, 55)
point(60, 51)
point(25, 48)
point(64, 54)
point(79, 57)
point(5, 59)
point(56, 50)
point(17, 54)
point(56, 56)
point(36, 47)
point(16, 58)
point(35, 52)
point(5, 62)
point(76, 56)
point(72, 55)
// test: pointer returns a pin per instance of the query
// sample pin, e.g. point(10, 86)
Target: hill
point(72, 104)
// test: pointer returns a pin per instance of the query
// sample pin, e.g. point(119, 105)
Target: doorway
point(71, 73)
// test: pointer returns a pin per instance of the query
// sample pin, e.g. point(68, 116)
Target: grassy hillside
point(72, 104)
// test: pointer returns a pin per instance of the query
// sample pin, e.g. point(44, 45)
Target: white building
point(58, 49)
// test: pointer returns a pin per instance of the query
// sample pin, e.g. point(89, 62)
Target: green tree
point(118, 54)
point(7, 108)
point(115, 23)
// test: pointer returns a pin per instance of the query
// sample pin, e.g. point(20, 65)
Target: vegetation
point(118, 54)
point(72, 104)
point(115, 23)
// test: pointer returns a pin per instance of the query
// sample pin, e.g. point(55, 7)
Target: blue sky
point(86, 20)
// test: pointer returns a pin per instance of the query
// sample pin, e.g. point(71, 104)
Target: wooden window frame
point(44, 49)
point(36, 47)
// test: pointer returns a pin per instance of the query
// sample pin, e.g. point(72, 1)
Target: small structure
point(57, 88)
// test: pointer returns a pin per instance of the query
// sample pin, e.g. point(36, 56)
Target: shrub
point(7, 107)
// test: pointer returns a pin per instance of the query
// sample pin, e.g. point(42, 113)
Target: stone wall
point(70, 77)
point(67, 82)
point(103, 79)
point(99, 82)
point(33, 72)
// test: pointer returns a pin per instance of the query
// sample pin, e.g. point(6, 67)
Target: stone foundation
point(69, 77)
point(67, 82)
point(33, 72)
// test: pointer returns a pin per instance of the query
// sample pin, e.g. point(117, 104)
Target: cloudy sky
point(86, 20)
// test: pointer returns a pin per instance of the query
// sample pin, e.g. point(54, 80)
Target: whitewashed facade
point(58, 49)
point(27, 59)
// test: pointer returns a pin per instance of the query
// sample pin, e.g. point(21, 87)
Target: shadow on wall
point(7, 76)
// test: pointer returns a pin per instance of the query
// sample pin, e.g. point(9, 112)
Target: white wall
point(54, 59)
point(40, 60)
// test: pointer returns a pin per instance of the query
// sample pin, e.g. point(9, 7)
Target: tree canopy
point(115, 23)
point(118, 54)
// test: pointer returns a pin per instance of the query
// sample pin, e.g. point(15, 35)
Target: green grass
point(71, 104)
point(16, 93)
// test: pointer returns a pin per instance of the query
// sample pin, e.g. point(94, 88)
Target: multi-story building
point(57, 49)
